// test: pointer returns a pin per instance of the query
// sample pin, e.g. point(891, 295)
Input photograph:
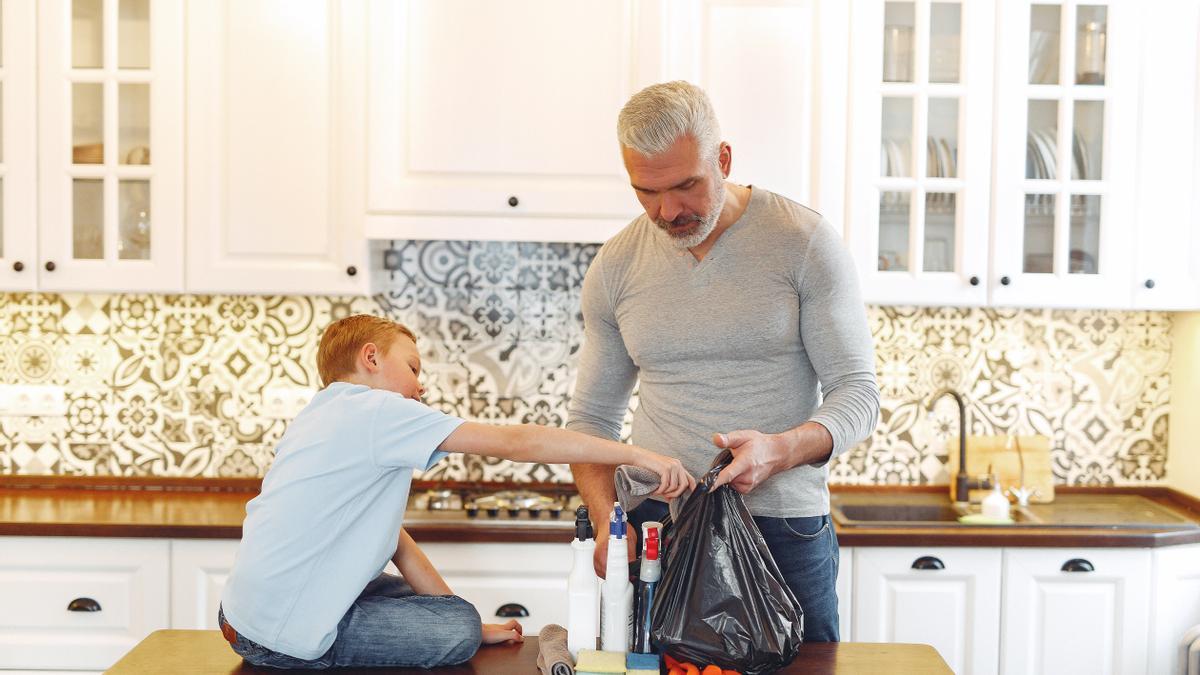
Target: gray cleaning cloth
point(553, 656)
point(634, 485)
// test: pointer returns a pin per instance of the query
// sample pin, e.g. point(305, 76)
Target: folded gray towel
point(553, 656)
point(634, 485)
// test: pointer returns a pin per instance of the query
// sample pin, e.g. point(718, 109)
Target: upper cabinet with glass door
point(1066, 153)
point(920, 149)
point(18, 147)
point(111, 145)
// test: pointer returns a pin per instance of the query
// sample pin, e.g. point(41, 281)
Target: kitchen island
point(197, 652)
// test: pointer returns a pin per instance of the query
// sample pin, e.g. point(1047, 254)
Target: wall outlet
point(284, 403)
point(32, 400)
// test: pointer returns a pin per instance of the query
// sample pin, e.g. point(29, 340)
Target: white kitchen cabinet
point(945, 597)
point(513, 137)
point(920, 149)
point(1167, 226)
point(110, 145)
point(18, 147)
point(845, 594)
point(1076, 611)
point(79, 603)
point(199, 570)
point(1067, 100)
point(495, 577)
point(1175, 604)
point(275, 163)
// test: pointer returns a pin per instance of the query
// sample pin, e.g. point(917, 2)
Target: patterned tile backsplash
point(172, 385)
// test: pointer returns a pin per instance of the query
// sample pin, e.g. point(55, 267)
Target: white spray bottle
point(616, 609)
point(583, 589)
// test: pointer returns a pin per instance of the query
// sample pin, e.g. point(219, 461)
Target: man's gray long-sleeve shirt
point(767, 332)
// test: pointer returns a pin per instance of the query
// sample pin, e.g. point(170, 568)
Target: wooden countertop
point(214, 508)
point(197, 652)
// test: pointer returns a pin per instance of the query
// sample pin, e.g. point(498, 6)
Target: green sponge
point(595, 662)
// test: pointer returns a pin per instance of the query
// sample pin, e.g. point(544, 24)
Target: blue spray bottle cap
point(616, 523)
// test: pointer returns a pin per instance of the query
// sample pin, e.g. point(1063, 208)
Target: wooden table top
point(200, 652)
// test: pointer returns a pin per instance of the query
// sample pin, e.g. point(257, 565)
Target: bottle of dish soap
point(649, 575)
point(995, 505)
point(616, 608)
point(583, 588)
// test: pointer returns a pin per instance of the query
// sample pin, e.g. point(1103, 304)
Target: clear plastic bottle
point(583, 589)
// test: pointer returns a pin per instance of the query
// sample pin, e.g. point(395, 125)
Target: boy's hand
point(509, 631)
point(673, 479)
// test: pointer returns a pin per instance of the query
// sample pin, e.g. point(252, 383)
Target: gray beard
point(697, 233)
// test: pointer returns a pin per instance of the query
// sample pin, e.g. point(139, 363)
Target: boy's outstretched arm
point(534, 443)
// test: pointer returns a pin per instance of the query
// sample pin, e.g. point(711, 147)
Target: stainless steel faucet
point(962, 480)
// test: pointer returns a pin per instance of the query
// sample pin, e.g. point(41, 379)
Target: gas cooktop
point(484, 508)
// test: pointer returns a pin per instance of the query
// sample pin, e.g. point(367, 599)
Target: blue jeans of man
point(388, 625)
point(806, 552)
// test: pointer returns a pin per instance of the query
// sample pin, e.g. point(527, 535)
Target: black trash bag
point(722, 599)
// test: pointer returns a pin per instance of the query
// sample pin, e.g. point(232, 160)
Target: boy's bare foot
point(509, 631)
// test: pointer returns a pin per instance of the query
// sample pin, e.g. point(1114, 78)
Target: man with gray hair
point(738, 314)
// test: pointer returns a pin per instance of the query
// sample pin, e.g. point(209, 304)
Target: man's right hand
point(600, 559)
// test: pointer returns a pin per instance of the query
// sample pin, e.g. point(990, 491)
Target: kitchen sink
point(912, 513)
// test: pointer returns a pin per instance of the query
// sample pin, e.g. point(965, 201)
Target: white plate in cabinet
point(945, 597)
point(1076, 611)
point(78, 603)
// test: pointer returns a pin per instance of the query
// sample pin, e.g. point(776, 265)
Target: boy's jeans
point(806, 552)
point(388, 625)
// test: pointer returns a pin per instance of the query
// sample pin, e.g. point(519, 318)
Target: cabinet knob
point(83, 605)
point(50, 265)
point(1078, 565)
point(511, 610)
point(513, 201)
point(1149, 283)
point(18, 266)
point(928, 562)
point(351, 271)
point(974, 281)
point(1004, 281)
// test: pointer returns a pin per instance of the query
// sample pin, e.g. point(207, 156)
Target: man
point(739, 312)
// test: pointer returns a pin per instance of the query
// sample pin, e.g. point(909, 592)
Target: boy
point(307, 588)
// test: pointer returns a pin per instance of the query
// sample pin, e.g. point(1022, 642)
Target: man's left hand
point(756, 457)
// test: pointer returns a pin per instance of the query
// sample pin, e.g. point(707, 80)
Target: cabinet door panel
point(1060, 621)
point(110, 150)
point(18, 146)
point(955, 608)
point(1066, 154)
point(275, 94)
point(199, 569)
point(122, 582)
point(521, 125)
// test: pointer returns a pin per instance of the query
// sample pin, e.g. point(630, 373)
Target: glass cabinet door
point(921, 149)
point(18, 147)
point(1063, 134)
point(112, 208)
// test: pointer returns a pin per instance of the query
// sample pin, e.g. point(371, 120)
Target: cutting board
point(985, 450)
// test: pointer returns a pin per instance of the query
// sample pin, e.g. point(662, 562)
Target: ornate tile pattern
point(173, 385)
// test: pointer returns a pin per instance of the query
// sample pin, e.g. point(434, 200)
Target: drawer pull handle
point(83, 605)
point(511, 610)
point(1078, 565)
point(928, 562)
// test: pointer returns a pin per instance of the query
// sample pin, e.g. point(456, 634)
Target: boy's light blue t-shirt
point(329, 514)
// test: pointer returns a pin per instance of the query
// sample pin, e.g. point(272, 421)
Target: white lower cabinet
point(845, 594)
point(945, 597)
point(1076, 611)
point(1175, 607)
point(527, 582)
point(79, 603)
point(199, 568)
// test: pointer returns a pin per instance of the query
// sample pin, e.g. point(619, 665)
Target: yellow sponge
point(596, 662)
